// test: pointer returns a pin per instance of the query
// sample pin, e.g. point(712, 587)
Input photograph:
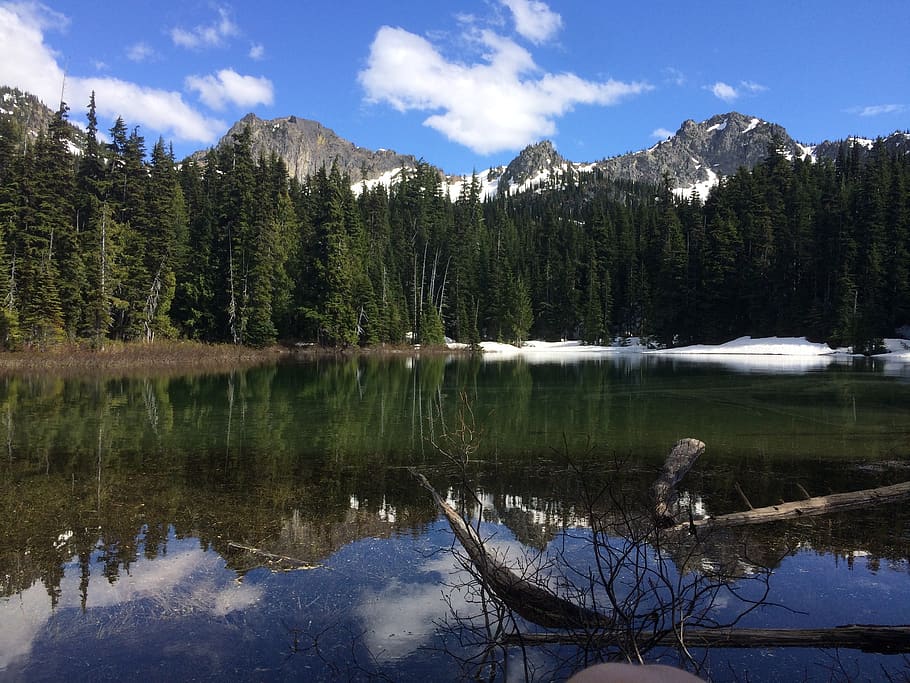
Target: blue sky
point(467, 85)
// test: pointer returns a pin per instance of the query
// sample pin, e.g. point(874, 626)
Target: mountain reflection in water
point(121, 498)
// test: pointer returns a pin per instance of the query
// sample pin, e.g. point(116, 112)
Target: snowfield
point(790, 353)
point(769, 346)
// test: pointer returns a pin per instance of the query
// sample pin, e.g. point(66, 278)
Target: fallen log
point(529, 600)
point(868, 638)
point(588, 627)
point(678, 463)
point(818, 505)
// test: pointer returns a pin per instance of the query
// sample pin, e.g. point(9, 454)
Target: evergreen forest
point(119, 243)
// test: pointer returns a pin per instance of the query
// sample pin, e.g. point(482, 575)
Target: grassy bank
point(179, 356)
point(183, 357)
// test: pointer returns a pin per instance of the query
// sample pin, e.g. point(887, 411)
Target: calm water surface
point(123, 503)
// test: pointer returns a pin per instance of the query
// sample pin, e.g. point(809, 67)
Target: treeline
point(118, 244)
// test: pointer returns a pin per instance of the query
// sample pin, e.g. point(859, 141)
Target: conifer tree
point(48, 219)
point(94, 222)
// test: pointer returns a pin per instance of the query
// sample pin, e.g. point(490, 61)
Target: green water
point(102, 479)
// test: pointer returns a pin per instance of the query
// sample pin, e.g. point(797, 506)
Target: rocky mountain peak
point(306, 145)
point(538, 160)
point(701, 152)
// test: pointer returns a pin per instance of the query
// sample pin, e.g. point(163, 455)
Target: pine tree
point(194, 308)
point(671, 300)
point(47, 218)
point(522, 315)
point(94, 222)
point(129, 276)
point(165, 236)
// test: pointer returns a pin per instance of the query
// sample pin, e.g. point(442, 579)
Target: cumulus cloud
point(30, 64)
point(27, 62)
point(257, 51)
point(160, 110)
point(210, 35)
point(501, 103)
point(880, 109)
point(729, 93)
point(534, 20)
point(227, 86)
point(725, 92)
point(139, 52)
point(661, 133)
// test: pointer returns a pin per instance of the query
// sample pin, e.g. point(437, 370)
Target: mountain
point(305, 146)
point(24, 117)
point(535, 163)
point(699, 153)
point(693, 159)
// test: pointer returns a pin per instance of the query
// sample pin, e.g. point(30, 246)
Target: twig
point(742, 495)
point(299, 564)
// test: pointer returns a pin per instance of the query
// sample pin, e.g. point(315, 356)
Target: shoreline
point(192, 357)
point(186, 357)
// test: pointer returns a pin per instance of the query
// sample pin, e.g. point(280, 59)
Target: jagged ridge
point(306, 145)
point(696, 156)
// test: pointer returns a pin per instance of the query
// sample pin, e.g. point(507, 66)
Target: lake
point(263, 525)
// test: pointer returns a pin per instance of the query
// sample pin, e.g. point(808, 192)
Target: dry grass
point(120, 358)
point(181, 357)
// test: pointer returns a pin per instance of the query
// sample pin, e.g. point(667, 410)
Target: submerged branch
point(272, 557)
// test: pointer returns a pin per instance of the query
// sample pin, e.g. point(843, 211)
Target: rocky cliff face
point(700, 152)
point(305, 146)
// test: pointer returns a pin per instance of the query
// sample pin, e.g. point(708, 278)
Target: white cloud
point(139, 52)
point(725, 92)
point(212, 35)
point(879, 109)
point(534, 20)
point(161, 110)
point(661, 133)
point(257, 51)
point(752, 87)
point(674, 76)
point(729, 93)
point(38, 15)
point(27, 62)
point(227, 86)
point(501, 103)
point(30, 64)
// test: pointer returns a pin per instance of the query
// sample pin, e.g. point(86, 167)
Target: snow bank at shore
point(769, 346)
point(790, 352)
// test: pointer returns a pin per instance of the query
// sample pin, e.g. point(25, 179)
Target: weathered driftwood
point(678, 463)
point(818, 505)
point(868, 638)
point(529, 600)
